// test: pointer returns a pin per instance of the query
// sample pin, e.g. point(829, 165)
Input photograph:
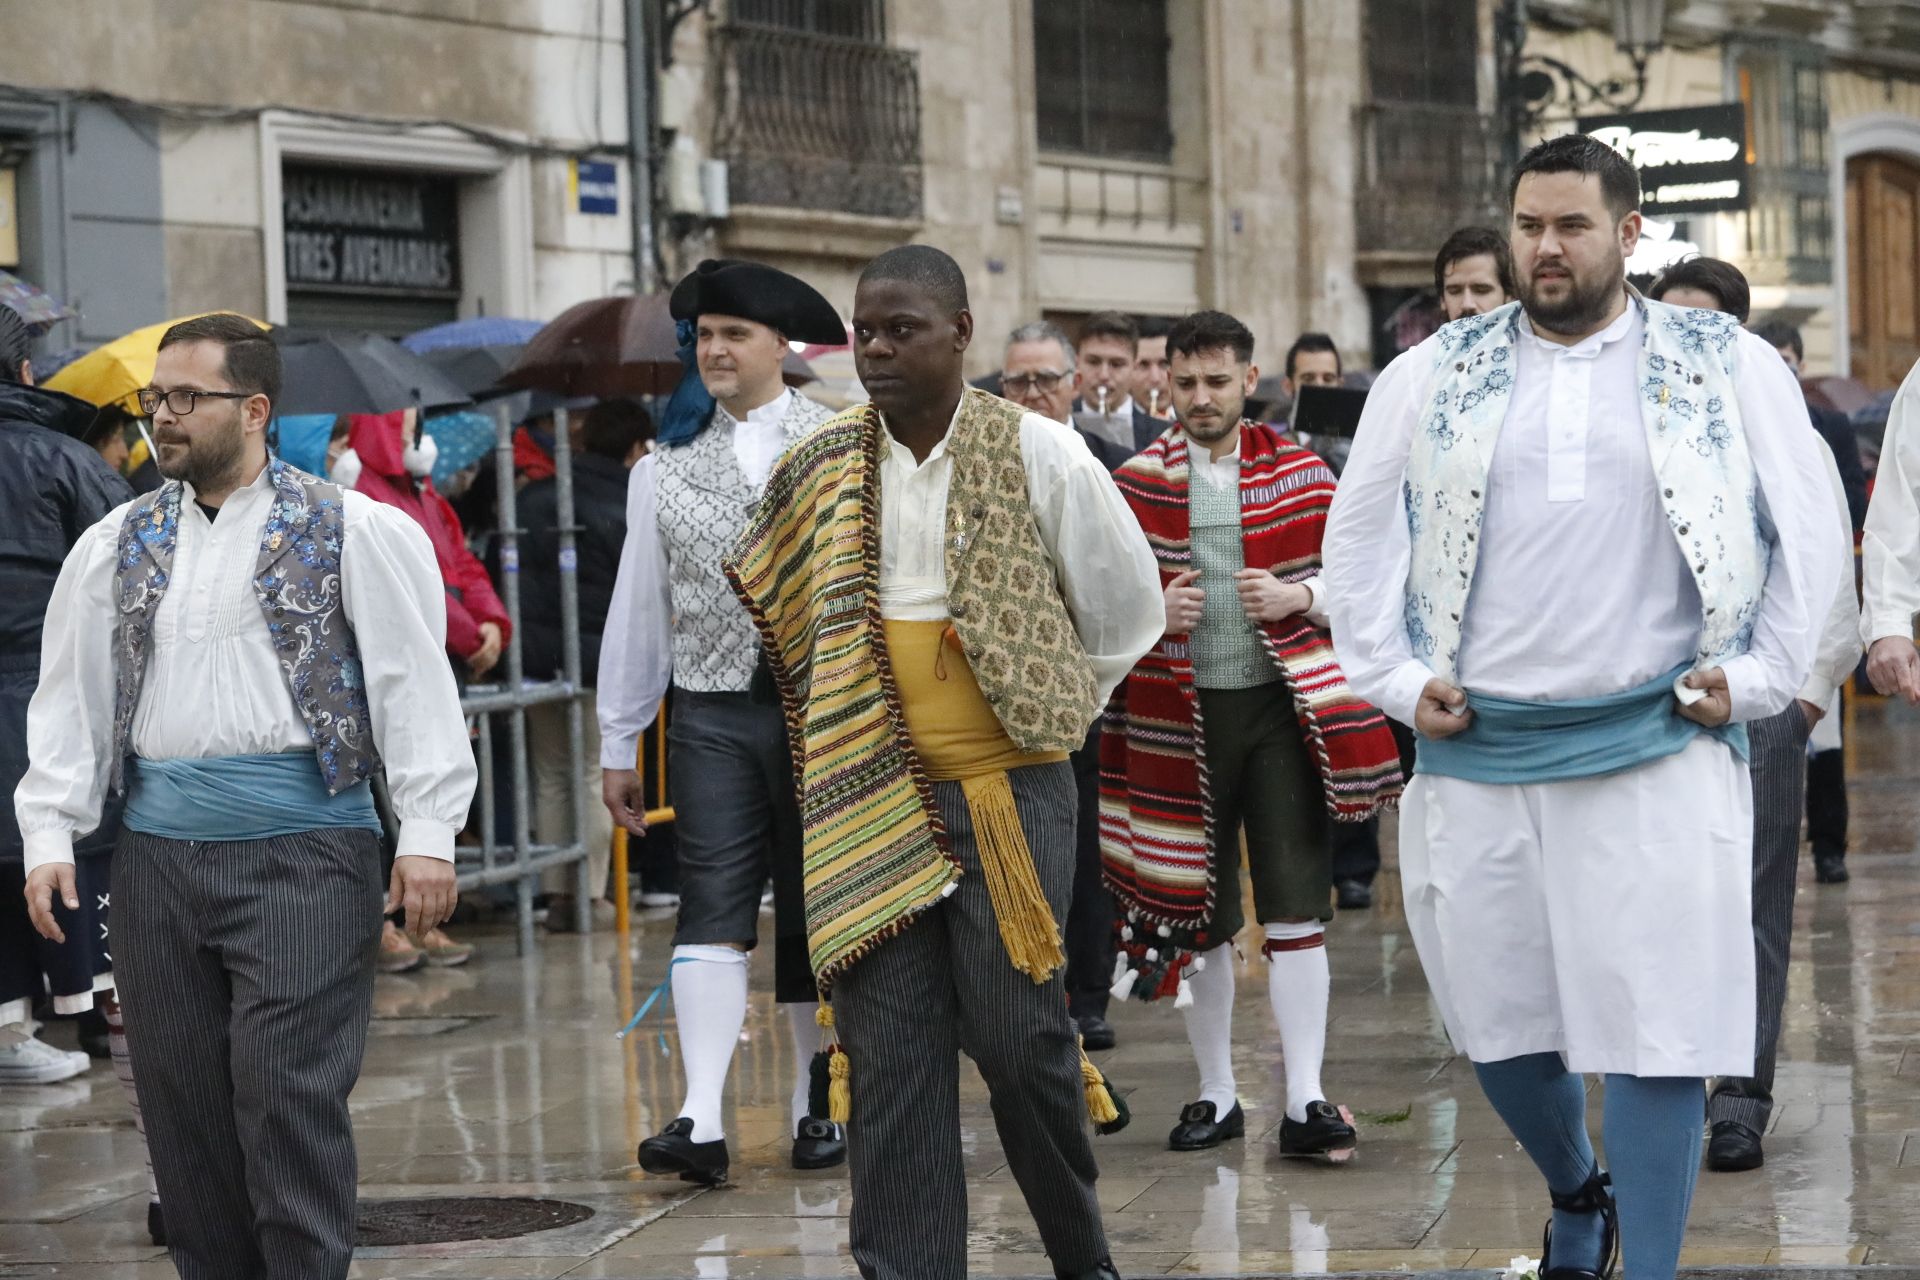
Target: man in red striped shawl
point(1239, 719)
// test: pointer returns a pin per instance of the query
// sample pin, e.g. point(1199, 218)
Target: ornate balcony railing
point(1424, 170)
point(819, 122)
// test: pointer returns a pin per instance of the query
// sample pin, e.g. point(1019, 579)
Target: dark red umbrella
point(604, 347)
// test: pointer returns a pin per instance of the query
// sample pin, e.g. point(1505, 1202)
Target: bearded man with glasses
point(210, 651)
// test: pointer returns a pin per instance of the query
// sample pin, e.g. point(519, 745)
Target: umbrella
point(35, 305)
point(1847, 395)
point(45, 367)
point(620, 346)
point(475, 370)
point(112, 373)
point(479, 331)
point(796, 372)
point(359, 373)
point(463, 437)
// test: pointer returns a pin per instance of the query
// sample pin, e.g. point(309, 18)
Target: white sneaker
point(32, 1061)
point(657, 898)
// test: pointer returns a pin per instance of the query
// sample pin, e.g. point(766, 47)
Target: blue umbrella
point(463, 437)
point(479, 331)
point(36, 306)
point(302, 439)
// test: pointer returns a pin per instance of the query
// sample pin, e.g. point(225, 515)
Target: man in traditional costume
point(1581, 540)
point(241, 651)
point(947, 587)
point(674, 619)
point(1239, 719)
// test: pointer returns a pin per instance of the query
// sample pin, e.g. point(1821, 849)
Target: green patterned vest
point(1001, 592)
point(1225, 649)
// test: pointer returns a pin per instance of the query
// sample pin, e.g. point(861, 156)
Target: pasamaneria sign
point(370, 231)
point(1691, 159)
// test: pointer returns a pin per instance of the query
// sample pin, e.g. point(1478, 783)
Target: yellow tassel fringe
point(1100, 1106)
point(1027, 929)
point(839, 1091)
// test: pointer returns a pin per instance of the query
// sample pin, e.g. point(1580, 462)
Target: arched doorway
point(1883, 267)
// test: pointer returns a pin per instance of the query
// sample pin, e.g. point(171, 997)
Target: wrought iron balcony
point(1424, 170)
point(820, 122)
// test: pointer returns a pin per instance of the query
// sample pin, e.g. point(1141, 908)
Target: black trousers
point(245, 970)
point(1827, 803)
point(1089, 933)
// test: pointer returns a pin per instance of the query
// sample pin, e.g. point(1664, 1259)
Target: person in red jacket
point(395, 460)
point(390, 459)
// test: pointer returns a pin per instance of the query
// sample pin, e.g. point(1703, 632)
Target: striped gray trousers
point(1778, 767)
point(245, 971)
point(907, 1011)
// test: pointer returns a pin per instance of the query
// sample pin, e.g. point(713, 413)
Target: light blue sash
point(1516, 741)
point(241, 798)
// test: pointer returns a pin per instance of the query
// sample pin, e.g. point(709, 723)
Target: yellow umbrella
point(112, 373)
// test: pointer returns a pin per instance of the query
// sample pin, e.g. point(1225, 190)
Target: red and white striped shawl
point(1156, 819)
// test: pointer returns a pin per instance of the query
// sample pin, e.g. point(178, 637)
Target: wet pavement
point(504, 1079)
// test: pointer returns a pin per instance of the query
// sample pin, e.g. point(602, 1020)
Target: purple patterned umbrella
point(36, 306)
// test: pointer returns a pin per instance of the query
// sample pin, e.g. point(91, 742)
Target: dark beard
point(209, 462)
point(1583, 308)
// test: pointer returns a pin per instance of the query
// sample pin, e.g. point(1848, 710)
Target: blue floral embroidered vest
point(297, 579)
point(1701, 463)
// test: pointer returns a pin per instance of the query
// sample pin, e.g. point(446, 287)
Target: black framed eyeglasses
point(1022, 383)
point(180, 401)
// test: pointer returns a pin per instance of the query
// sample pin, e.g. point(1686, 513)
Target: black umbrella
point(358, 373)
point(475, 370)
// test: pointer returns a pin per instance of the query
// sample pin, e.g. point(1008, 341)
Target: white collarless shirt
point(214, 686)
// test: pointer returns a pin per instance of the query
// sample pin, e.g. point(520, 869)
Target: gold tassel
point(1027, 928)
point(839, 1092)
point(1100, 1106)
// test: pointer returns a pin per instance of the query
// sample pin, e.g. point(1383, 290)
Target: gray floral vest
point(297, 579)
point(704, 505)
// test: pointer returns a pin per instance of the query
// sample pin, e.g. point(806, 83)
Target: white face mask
point(345, 470)
point(420, 458)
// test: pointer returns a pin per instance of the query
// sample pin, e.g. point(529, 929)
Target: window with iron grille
point(1422, 51)
point(1789, 229)
point(848, 19)
point(1100, 68)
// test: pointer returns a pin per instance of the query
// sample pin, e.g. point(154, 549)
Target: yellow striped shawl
point(807, 569)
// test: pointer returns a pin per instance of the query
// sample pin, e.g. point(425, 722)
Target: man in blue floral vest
point(205, 654)
point(1581, 541)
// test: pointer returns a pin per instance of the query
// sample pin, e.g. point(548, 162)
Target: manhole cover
point(440, 1220)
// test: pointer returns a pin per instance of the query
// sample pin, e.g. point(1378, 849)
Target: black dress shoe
point(1324, 1131)
point(1352, 895)
point(1734, 1148)
point(1199, 1128)
point(1595, 1196)
point(819, 1144)
point(673, 1150)
point(1104, 1270)
point(1095, 1032)
point(1831, 869)
point(94, 1037)
point(156, 1225)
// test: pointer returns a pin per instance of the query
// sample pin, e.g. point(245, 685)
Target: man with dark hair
point(1581, 621)
point(674, 621)
point(1242, 691)
point(1150, 366)
point(239, 653)
point(609, 439)
point(1473, 272)
point(1109, 345)
point(934, 686)
point(1705, 283)
point(1312, 361)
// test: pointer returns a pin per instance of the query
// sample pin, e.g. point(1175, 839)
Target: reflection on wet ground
point(505, 1079)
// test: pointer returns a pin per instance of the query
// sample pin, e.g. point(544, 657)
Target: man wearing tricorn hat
point(674, 619)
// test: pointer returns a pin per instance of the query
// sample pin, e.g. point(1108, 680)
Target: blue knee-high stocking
point(1653, 1132)
point(1545, 1106)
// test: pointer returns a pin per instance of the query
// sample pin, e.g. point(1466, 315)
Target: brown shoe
point(444, 951)
point(397, 952)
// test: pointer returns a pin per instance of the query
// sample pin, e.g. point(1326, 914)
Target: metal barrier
point(525, 860)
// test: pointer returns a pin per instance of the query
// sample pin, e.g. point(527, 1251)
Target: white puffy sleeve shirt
point(214, 686)
point(1105, 570)
point(1890, 544)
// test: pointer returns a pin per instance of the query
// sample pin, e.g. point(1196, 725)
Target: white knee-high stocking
point(1210, 1026)
point(710, 1006)
point(1297, 985)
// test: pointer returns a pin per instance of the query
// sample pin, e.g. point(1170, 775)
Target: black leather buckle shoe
point(1096, 1033)
point(1323, 1132)
point(1103, 1270)
point(673, 1150)
point(1734, 1148)
point(1201, 1126)
point(1594, 1196)
point(819, 1144)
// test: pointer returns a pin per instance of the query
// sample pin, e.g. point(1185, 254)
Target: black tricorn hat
point(755, 291)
